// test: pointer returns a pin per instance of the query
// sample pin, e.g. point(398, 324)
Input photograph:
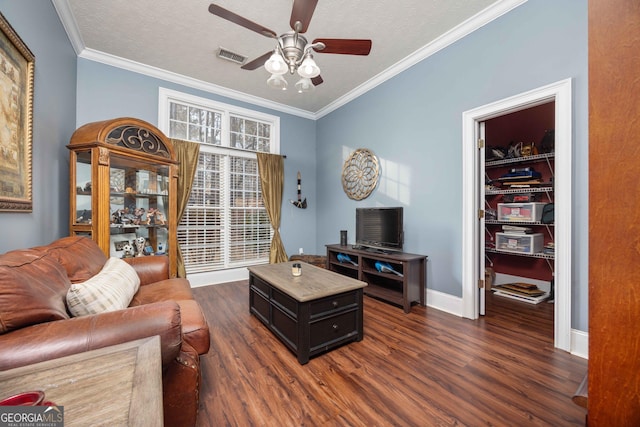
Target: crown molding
point(70, 25)
point(477, 21)
point(137, 67)
point(472, 24)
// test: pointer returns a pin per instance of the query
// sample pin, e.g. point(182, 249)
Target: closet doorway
point(558, 96)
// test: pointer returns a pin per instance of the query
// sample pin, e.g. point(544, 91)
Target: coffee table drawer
point(285, 327)
point(328, 331)
point(260, 285)
point(259, 304)
point(334, 303)
point(289, 305)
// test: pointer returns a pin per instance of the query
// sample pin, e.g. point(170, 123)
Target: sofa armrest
point(150, 269)
point(60, 338)
point(181, 389)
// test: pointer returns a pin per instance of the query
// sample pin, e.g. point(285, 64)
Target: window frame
point(165, 98)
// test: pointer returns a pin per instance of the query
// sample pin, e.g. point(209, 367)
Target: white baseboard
point(444, 302)
point(214, 278)
point(580, 343)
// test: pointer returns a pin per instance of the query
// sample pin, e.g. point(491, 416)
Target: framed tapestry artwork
point(16, 120)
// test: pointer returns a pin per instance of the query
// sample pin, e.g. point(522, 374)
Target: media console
point(403, 288)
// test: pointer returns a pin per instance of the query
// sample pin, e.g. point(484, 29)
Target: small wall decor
point(16, 120)
point(302, 204)
point(360, 174)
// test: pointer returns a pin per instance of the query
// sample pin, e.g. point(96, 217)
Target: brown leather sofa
point(35, 324)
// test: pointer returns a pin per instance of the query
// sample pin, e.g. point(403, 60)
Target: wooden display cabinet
point(123, 181)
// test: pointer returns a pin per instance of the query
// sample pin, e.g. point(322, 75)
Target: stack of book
point(514, 229)
point(521, 178)
point(525, 292)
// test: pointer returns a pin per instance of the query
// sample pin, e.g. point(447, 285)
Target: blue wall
point(106, 92)
point(413, 123)
point(54, 111)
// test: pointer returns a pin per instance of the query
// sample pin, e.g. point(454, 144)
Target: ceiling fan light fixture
point(276, 64)
point(304, 85)
point(308, 68)
point(277, 81)
point(293, 52)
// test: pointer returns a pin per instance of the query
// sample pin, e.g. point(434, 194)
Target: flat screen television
point(379, 228)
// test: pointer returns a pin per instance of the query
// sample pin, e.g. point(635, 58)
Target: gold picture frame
point(17, 65)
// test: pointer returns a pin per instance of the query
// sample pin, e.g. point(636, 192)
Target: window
point(225, 224)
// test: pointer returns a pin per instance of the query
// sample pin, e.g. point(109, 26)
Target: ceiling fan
point(293, 52)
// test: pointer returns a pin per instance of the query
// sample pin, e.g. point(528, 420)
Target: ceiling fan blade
point(302, 12)
point(257, 63)
point(242, 21)
point(345, 46)
point(317, 80)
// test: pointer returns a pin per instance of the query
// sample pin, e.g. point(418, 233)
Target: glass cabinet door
point(139, 207)
point(83, 194)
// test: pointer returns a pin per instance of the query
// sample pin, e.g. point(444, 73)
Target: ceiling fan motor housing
point(293, 46)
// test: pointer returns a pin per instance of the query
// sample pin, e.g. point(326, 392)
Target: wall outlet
point(300, 251)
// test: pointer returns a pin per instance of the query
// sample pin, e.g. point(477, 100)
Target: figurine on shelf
point(84, 217)
point(148, 249)
point(140, 243)
point(155, 217)
point(160, 218)
point(116, 217)
point(151, 216)
point(126, 216)
point(127, 250)
point(139, 216)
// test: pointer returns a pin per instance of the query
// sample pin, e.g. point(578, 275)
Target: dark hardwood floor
point(425, 368)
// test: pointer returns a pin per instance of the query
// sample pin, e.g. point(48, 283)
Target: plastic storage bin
point(525, 212)
point(520, 243)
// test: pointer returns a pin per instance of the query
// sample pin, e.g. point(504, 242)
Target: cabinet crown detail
point(139, 139)
point(126, 132)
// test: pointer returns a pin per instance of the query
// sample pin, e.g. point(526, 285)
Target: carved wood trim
point(103, 156)
point(139, 139)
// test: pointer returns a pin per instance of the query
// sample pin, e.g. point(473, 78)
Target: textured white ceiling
point(182, 37)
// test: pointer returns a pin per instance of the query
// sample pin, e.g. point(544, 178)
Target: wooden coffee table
point(311, 313)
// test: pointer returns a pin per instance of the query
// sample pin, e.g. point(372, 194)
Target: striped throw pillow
point(109, 290)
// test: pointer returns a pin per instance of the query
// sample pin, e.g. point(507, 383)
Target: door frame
point(561, 93)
